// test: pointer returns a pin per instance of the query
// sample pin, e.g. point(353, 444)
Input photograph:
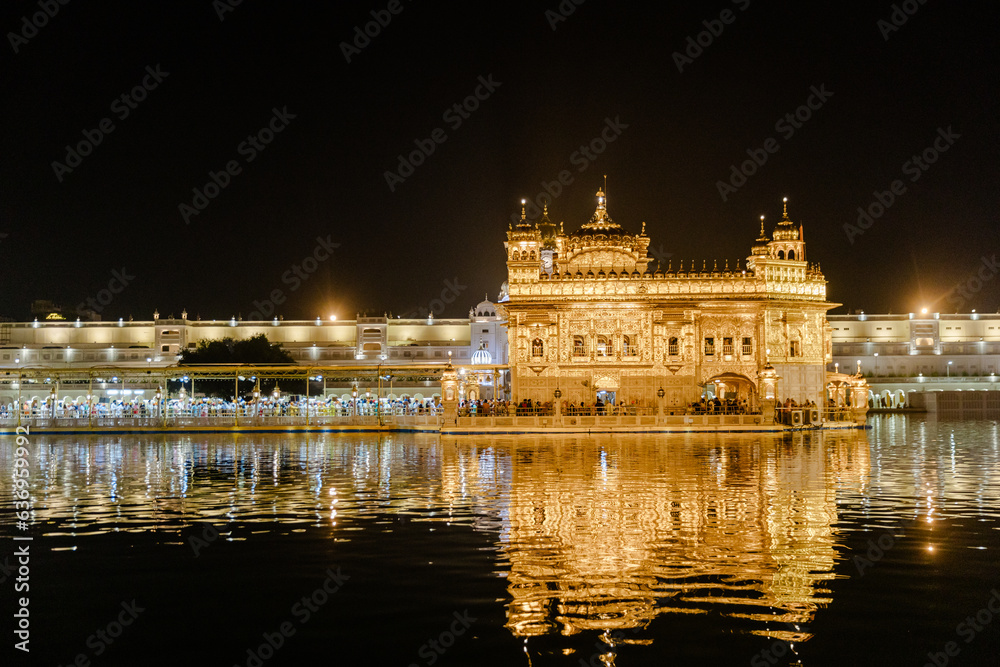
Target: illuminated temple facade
point(590, 316)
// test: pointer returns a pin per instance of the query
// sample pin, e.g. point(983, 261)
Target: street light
point(876, 364)
point(948, 370)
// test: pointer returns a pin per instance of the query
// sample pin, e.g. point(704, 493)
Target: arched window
point(630, 347)
point(532, 254)
point(604, 348)
point(791, 254)
point(781, 254)
point(536, 347)
point(672, 347)
point(516, 256)
point(579, 349)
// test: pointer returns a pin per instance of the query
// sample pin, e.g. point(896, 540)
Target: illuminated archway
point(736, 386)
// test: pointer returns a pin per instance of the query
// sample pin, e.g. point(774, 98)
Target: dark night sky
point(324, 174)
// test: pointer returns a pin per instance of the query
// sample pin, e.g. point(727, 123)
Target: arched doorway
point(733, 387)
point(606, 389)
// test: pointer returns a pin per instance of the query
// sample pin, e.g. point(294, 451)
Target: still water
point(852, 547)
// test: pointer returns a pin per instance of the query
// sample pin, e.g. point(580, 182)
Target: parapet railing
point(219, 419)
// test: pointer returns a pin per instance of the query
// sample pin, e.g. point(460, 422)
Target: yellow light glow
point(923, 311)
point(333, 318)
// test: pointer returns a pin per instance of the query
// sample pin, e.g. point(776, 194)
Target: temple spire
point(785, 212)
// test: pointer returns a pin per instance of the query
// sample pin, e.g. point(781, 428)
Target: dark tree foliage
point(257, 350)
point(254, 350)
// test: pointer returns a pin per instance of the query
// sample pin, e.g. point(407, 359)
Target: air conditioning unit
point(796, 417)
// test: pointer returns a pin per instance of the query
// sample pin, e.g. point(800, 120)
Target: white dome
point(482, 356)
point(485, 309)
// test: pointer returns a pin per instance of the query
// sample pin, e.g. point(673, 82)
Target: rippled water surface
point(852, 547)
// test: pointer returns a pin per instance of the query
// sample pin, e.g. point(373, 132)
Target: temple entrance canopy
point(606, 387)
point(838, 389)
point(727, 386)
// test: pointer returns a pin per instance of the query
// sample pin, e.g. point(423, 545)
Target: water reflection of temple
point(595, 533)
point(608, 534)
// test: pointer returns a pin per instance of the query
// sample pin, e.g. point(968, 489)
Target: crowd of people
point(217, 407)
point(527, 407)
point(333, 406)
point(719, 406)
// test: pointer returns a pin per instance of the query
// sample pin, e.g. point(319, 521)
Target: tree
point(257, 350)
point(254, 351)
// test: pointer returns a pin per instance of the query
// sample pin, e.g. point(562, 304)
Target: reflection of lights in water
point(596, 533)
point(671, 527)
